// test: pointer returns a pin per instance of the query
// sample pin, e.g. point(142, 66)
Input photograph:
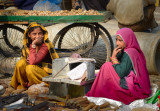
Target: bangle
point(113, 58)
point(33, 46)
point(115, 62)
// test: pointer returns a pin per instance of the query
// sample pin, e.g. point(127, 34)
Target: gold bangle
point(111, 58)
point(115, 62)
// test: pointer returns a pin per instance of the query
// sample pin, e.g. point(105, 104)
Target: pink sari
point(107, 84)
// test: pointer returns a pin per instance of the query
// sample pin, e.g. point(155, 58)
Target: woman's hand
point(38, 41)
point(27, 60)
point(116, 51)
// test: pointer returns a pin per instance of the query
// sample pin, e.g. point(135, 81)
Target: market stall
point(78, 19)
point(90, 25)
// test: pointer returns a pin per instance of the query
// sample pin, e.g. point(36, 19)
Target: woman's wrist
point(33, 45)
point(111, 58)
point(114, 60)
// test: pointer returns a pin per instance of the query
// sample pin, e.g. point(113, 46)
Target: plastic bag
point(47, 5)
point(57, 2)
point(37, 89)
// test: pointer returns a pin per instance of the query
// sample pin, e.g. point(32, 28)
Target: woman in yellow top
point(36, 60)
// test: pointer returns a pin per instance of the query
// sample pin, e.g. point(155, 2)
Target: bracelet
point(115, 62)
point(33, 46)
point(112, 58)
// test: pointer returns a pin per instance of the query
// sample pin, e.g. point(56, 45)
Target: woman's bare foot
point(18, 91)
point(25, 92)
point(8, 91)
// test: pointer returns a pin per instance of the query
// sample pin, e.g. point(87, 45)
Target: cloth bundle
point(47, 5)
point(135, 14)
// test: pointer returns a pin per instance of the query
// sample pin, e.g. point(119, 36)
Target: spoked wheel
point(77, 38)
point(88, 40)
point(103, 46)
point(11, 38)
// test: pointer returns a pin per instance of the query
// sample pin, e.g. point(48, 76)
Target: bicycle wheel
point(77, 38)
point(102, 44)
point(106, 35)
point(11, 39)
point(101, 51)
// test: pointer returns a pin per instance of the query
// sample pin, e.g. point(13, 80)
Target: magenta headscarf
point(137, 57)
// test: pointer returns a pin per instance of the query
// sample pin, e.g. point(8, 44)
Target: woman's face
point(119, 42)
point(36, 33)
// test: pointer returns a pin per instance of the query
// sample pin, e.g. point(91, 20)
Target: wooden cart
point(87, 24)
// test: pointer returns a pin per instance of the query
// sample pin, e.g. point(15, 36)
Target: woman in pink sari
point(125, 78)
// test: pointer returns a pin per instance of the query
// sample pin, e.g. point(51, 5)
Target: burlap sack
point(149, 2)
point(147, 23)
point(128, 12)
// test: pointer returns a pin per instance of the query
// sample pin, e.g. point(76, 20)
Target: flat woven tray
point(57, 19)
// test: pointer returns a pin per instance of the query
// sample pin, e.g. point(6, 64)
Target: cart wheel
point(77, 38)
point(102, 47)
point(92, 43)
point(106, 35)
point(102, 33)
point(11, 37)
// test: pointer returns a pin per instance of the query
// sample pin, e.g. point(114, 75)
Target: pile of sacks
point(135, 14)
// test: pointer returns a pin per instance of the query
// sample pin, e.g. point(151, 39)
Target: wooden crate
point(61, 85)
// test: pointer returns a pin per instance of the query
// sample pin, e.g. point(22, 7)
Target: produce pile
point(74, 104)
point(82, 104)
point(48, 13)
point(53, 103)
